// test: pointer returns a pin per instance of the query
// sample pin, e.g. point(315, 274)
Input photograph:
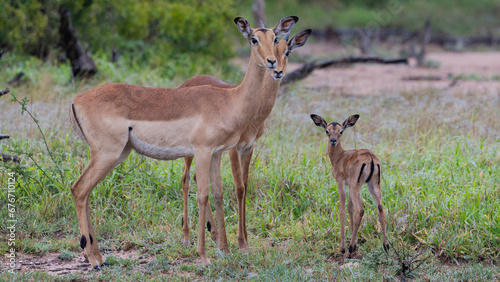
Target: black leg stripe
point(91, 240)
point(83, 242)
point(361, 172)
point(378, 166)
point(209, 226)
point(372, 167)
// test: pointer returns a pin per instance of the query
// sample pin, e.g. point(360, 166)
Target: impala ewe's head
point(334, 130)
point(264, 40)
point(285, 47)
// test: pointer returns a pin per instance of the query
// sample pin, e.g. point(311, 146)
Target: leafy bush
point(166, 28)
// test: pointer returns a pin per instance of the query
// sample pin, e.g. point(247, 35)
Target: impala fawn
point(353, 168)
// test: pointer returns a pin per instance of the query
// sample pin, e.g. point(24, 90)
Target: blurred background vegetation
point(167, 34)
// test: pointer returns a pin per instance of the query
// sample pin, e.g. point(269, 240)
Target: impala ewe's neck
point(246, 94)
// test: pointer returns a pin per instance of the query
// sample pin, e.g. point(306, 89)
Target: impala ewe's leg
point(202, 177)
point(217, 191)
point(96, 170)
point(185, 190)
point(376, 192)
point(246, 158)
point(234, 158)
point(185, 219)
point(341, 191)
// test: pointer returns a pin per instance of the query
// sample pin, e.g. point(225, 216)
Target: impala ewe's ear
point(284, 25)
point(299, 40)
point(243, 26)
point(319, 121)
point(350, 121)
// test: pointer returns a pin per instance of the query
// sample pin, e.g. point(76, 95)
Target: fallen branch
point(3, 92)
point(308, 68)
point(3, 136)
point(423, 78)
point(8, 158)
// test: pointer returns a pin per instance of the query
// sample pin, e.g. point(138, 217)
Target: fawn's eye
point(327, 132)
point(254, 41)
point(342, 131)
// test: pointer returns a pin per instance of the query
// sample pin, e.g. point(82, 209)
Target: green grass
point(441, 169)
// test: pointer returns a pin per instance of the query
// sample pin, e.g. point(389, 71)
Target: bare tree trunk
point(81, 63)
point(364, 42)
point(259, 11)
point(426, 38)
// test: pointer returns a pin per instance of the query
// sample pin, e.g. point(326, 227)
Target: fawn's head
point(285, 47)
point(263, 40)
point(334, 130)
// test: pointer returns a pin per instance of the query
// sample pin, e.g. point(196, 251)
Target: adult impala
point(241, 155)
point(166, 124)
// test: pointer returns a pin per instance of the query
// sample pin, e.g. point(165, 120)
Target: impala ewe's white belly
point(160, 140)
point(157, 152)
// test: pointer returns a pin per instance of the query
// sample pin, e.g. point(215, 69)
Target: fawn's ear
point(299, 40)
point(350, 121)
point(243, 26)
point(319, 121)
point(284, 25)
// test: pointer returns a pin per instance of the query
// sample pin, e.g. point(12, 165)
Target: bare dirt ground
point(482, 72)
point(479, 72)
point(52, 264)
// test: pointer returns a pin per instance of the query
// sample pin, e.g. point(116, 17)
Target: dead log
point(81, 63)
point(8, 158)
point(3, 136)
point(308, 68)
point(16, 81)
point(3, 92)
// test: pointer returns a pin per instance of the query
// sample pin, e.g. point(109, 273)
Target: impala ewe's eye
point(287, 53)
point(255, 41)
point(276, 40)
